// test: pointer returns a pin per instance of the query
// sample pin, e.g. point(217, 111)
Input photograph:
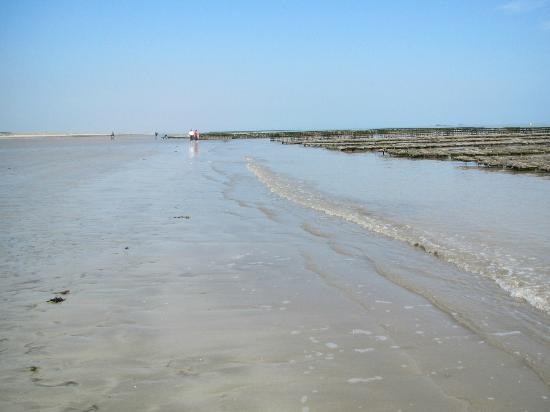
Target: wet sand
point(192, 287)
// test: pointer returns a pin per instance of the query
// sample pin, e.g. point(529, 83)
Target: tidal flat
point(248, 275)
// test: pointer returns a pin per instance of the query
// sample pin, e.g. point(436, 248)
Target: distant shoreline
point(49, 134)
point(9, 135)
point(521, 149)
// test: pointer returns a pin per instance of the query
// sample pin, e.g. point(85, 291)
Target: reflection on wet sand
point(221, 296)
point(193, 149)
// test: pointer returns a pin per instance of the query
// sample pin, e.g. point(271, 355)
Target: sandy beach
point(194, 286)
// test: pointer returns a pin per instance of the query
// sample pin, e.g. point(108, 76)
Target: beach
point(247, 275)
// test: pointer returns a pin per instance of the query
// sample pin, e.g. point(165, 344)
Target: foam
point(365, 380)
point(513, 332)
point(364, 350)
point(518, 281)
point(361, 332)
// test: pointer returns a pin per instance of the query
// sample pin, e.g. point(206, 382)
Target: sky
point(143, 66)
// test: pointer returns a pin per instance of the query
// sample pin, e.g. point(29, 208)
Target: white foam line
point(365, 380)
point(297, 192)
point(513, 332)
point(361, 332)
point(364, 350)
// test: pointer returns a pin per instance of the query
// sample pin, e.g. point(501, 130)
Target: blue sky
point(228, 65)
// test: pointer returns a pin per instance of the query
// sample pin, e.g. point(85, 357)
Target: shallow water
point(249, 275)
point(492, 224)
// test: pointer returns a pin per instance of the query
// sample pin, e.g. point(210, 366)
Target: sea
point(478, 239)
point(249, 274)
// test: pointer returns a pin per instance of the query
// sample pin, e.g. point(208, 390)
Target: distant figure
point(112, 135)
point(156, 135)
point(191, 134)
point(197, 134)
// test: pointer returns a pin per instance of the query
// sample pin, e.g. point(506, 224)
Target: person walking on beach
point(112, 135)
point(197, 134)
point(191, 134)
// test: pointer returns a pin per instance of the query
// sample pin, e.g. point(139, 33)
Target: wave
point(518, 280)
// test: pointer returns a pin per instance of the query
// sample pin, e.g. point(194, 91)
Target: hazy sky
point(222, 65)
